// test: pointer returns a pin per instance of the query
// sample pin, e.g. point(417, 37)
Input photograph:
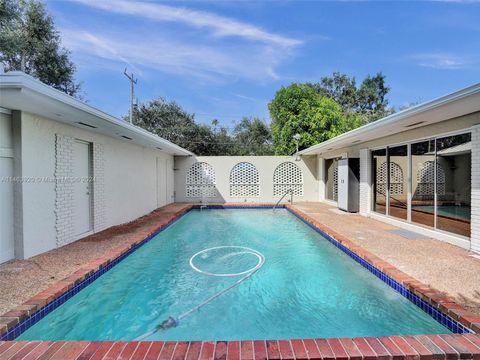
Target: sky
point(226, 59)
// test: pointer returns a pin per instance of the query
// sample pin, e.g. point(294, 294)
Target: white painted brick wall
point(63, 189)
point(365, 182)
point(99, 216)
point(475, 205)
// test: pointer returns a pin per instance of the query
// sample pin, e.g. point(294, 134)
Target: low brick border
point(469, 344)
point(420, 347)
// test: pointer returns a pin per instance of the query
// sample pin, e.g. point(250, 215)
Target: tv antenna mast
point(133, 82)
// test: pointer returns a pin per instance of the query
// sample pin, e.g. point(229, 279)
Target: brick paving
point(422, 347)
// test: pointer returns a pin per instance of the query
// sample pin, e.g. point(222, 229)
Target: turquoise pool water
point(306, 287)
point(457, 212)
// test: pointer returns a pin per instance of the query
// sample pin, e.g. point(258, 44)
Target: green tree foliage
point(30, 43)
point(170, 121)
point(368, 100)
point(300, 109)
point(252, 136)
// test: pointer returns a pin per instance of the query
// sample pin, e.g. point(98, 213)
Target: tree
point(253, 137)
point(30, 43)
point(170, 121)
point(300, 109)
point(369, 100)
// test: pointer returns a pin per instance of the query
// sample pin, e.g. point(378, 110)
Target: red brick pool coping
point(420, 347)
point(395, 348)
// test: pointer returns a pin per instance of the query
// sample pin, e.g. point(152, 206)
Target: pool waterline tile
point(421, 295)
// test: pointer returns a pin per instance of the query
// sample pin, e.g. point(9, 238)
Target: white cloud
point(441, 60)
point(143, 51)
point(219, 25)
point(220, 48)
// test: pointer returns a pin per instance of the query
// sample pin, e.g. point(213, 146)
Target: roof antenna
point(133, 82)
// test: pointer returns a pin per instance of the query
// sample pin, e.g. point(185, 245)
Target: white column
point(321, 178)
point(475, 201)
point(365, 182)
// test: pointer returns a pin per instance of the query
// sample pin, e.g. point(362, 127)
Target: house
point(68, 170)
point(419, 169)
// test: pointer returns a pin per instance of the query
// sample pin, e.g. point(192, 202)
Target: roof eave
point(394, 118)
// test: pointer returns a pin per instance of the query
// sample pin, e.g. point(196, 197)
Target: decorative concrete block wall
point(365, 182)
point(475, 205)
point(63, 189)
point(241, 179)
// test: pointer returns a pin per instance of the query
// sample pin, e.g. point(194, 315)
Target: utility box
point(349, 184)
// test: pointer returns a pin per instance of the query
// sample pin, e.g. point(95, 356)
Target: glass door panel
point(379, 176)
point(454, 183)
point(423, 185)
point(398, 163)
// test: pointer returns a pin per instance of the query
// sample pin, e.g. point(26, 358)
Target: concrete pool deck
point(440, 265)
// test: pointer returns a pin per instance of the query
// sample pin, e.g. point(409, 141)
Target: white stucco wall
point(129, 171)
point(266, 166)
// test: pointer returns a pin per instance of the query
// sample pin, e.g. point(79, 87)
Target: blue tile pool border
point(445, 320)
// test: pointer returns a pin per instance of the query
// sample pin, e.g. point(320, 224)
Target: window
point(287, 176)
point(244, 180)
point(201, 181)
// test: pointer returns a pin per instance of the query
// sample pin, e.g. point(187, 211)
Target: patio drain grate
point(407, 234)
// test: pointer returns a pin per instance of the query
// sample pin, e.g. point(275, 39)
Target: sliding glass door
point(397, 180)
point(423, 184)
point(379, 176)
point(454, 187)
point(437, 173)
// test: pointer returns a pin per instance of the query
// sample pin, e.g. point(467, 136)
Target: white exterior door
point(343, 184)
point(82, 219)
point(161, 182)
point(7, 251)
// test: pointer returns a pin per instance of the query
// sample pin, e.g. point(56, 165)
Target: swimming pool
point(306, 287)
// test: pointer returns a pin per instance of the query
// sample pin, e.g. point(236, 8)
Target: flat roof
point(19, 91)
point(459, 103)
